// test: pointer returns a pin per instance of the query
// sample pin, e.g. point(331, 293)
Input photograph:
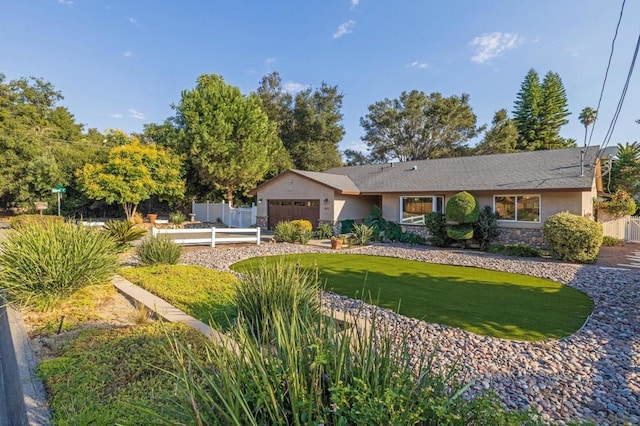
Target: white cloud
point(292, 87)
point(132, 20)
point(354, 3)
point(417, 64)
point(66, 2)
point(127, 54)
point(344, 29)
point(492, 45)
point(136, 114)
point(359, 146)
point(269, 62)
point(115, 115)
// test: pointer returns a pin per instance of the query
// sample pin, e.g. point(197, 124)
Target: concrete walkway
point(624, 256)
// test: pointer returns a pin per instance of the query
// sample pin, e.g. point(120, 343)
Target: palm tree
point(587, 117)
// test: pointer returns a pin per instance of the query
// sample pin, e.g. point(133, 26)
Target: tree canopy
point(41, 144)
point(540, 110)
point(226, 137)
point(309, 123)
point(417, 126)
point(501, 138)
point(587, 117)
point(625, 170)
point(134, 172)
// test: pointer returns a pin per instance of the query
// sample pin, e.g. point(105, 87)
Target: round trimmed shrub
point(573, 238)
point(462, 208)
point(460, 232)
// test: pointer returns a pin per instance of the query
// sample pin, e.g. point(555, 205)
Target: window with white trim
point(413, 209)
point(517, 208)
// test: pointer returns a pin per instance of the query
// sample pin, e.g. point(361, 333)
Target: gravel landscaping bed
point(592, 375)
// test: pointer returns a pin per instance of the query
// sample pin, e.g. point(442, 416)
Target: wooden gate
point(286, 210)
point(632, 232)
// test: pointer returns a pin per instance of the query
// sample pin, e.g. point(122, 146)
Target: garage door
point(286, 210)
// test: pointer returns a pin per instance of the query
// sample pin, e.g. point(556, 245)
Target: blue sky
point(120, 64)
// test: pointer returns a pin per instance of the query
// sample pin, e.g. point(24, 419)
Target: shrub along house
point(523, 188)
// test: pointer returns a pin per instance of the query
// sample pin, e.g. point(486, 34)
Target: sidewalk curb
point(25, 397)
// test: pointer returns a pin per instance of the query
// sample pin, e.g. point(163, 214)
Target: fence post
point(258, 235)
point(154, 232)
point(213, 237)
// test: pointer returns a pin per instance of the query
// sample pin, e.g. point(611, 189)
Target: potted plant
point(336, 242)
point(152, 217)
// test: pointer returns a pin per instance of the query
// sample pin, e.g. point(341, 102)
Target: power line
point(614, 120)
point(606, 73)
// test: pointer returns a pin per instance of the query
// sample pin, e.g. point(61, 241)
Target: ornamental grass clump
point(311, 369)
point(40, 265)
point(282, 287)
point(159, 250)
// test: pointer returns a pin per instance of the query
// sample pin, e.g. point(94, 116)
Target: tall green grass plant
point(40, 265)
point(159, 250)
point(311, 370)
point(281, 287)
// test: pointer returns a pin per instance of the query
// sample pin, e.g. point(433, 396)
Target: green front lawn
point(500, 304)
point(203, 293)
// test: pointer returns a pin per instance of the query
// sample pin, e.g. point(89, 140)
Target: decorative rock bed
point(592, 375)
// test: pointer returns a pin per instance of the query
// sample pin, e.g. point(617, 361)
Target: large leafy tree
point(309, 123)
point(540, 110)
point(41, 145)
point(276, 102)
point(625, 170)
point(226, 137)
point(587, 117)
point(417, 126)
point(501, 138)
point(134, 172)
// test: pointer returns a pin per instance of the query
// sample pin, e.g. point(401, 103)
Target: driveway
point(624, 256)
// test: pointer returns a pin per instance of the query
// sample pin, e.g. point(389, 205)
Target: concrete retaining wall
point(23, 394)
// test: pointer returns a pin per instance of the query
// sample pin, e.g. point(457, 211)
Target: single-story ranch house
point(523, 188)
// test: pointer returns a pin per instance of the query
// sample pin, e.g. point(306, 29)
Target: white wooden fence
point(234, 217)
point(210, 236)
point(625, 228)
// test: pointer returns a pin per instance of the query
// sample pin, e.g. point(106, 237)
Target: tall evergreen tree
point(527, 110)
point(226, 137)
point(553, 113)
point(501, 138)
point(540, 110)
point(587, 117)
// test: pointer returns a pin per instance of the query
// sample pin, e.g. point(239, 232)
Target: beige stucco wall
point(294, 187)
point(353, 206)
point(575, 202)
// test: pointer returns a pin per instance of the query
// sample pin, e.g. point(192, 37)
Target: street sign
point(59, 189)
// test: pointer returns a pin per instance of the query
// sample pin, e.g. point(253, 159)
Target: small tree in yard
point(133, 173)
point(463, 211)
point(485, 229)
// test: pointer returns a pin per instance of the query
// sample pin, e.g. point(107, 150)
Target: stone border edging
point(26, 399)
point(168, 312)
